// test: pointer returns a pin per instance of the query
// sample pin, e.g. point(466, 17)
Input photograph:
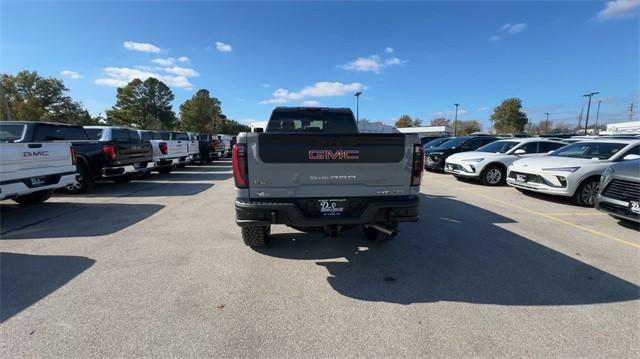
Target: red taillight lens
point(418, 165)
point(110, 151)
point(239, 162)
point(74, 156)
point(163, 148)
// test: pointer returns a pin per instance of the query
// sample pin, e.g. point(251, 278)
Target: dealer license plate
point(521, 178)
point(332, 207)
point(634, 207)
point(37, 181)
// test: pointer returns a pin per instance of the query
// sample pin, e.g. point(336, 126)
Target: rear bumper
point(288, 212)
point(108, 172)
point(616, 208)
point(23, 186)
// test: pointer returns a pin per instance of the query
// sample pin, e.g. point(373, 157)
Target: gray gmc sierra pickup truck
point(311, 170)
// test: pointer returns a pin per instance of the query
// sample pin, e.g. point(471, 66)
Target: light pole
point(357, 95)
point(546, 123)
point(586, 122)
point(455, 121)
point(598, 116)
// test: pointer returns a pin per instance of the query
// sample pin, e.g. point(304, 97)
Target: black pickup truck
point(114, 159)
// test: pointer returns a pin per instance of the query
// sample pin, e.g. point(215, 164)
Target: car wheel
point(83, 182)
point(587, 193)
point(492, 176)
point(255, 236)
point(33, 198)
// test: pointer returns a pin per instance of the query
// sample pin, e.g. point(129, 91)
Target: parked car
point(210, 147)
point(489, 163)
point(432, 143)
point(166, 154)
point(181, 143)
point(31, 171)
point(226, 140)
point(127, 143)
point(571, 171)
point(436, 156)
point(193, 147)
point(313, 171)
point(619, 193)
point(96, 159)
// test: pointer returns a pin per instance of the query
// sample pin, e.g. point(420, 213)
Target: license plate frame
point(332, 206)
point(38, 181)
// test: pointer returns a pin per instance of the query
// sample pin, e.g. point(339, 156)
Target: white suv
point(572, 171)
point(489, 163)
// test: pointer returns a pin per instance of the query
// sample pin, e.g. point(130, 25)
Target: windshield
point(11, 132)
point(311, 121)
point(498, 146)
point(599, 150)
point(437, 142)
point(455, 142)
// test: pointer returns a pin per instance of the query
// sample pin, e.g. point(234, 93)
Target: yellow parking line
point(551, 217)
point(560, 214)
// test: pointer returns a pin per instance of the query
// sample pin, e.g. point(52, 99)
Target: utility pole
point(455, 122)
point(4, 105)
point(586, 122)
point(357, 95)
point(546, 123)
point(598, 117)
point(631, 111)
point(580, 117)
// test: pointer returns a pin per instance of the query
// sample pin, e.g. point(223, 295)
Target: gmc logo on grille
point(35, 153)
point(319, 155)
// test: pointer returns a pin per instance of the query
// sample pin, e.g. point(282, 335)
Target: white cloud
point(266, 85)
point(181, 71)
point(482, 109)
point(141, 46)
point(618, 9)
point(388, 50)
point(514, 28)
point(164, 62)
point(71, 74)
point(184, 59)
point(372, 63)
point(494, 38)
point(120, 76)
point(310, 103)
point(319, 89)
point(222, 47)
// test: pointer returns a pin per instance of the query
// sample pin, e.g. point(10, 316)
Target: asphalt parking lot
point(157, 268)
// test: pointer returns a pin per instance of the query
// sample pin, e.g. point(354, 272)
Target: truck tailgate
point(341, 165)
point(23, 160)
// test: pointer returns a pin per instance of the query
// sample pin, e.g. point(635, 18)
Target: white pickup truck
point(30, 172)
point(167, 153)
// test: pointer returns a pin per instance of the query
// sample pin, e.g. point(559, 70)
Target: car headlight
point(474, 160)
point(562, 169)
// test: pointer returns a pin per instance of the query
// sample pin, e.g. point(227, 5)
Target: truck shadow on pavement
point(147, 188)
point(459, 253)
point(61, 220)
point(26, 278)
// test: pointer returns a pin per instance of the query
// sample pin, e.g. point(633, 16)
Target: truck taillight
point(110, 151)
point(163, 148)
point(418, 165)
point(239, 163)
point(74, 156)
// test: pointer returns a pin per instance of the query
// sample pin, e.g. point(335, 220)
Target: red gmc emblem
point(334, 155)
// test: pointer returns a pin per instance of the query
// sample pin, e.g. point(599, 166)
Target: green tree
point(145, 105)
point(407, 121)
point(508, 117)
point(199, 113)
point(229, 127)
point(468, 127)
point(27, 96)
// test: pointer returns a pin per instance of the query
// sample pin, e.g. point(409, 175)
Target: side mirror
point(631, 157)
point(520, 152)
point(258, 129)
point(550, 152)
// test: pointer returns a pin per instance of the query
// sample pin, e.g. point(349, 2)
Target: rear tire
point(587, 192)
point(83, 183)
point(255, 236)
point(493, 176)
point(33, 198)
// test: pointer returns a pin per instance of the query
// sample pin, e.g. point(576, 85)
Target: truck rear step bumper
point(287, 212)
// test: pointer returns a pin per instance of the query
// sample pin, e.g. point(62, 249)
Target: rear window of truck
point(180, 136)
point(94, 133)
point(311, 122)
point(11, 132)
point(150, 135)
point(59, 133)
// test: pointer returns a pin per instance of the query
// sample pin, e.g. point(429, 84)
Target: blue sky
point(407, 58)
